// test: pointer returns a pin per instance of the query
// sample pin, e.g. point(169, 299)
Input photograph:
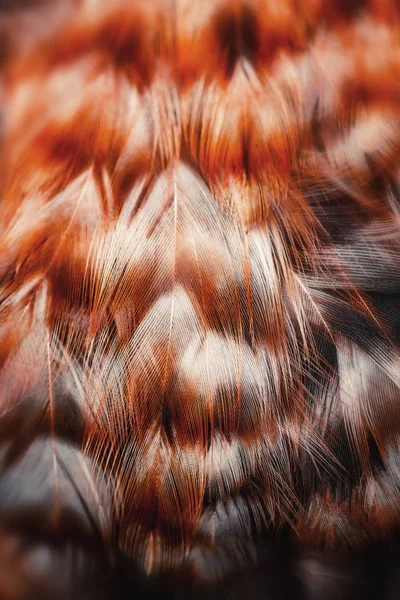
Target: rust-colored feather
point(199, 286)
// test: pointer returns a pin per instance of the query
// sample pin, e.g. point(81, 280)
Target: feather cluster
point(200, 277)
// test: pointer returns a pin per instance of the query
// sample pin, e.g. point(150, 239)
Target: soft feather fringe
point(199, 265)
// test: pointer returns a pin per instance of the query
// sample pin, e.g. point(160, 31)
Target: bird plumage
point(199, 285)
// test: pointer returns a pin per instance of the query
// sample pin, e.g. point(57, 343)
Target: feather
point(199, 328)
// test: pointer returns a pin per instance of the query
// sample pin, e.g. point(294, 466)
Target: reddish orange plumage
point(199, 278)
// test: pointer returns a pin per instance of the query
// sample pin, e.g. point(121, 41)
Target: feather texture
point(199, 285)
